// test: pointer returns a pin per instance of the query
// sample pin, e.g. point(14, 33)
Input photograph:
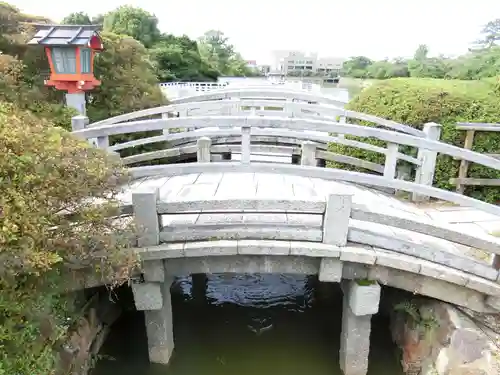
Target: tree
point(491, 34)
point(178, 59)
point(421, 53)
point(50, 174)
point(78, 18)
point(215, 48)
point(356, 66)
point(135, 22)
point(128, 79)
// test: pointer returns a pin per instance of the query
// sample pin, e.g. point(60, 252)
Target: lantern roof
point(64, 35)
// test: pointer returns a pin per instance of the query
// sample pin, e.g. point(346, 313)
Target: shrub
point(16, 88)
point(417, 101)
point(45, 174)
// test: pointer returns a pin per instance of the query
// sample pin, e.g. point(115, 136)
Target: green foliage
point(16, 87)
point(479, 63)
point(46, 174)
point(365, 282)
point(215, 48)
point(127, 76)
point(128, 79)
point(135, 22)
point(77, 18)
point(421, 318)
point(178, 59)
point(173, 58)
point(491, 34)
point(417, 101)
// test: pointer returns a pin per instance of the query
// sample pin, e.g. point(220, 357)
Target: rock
point(86, 338)
point(455, 345)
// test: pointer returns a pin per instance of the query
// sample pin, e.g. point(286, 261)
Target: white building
point(297, 61)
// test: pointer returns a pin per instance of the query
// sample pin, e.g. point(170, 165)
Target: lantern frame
point(70, 51)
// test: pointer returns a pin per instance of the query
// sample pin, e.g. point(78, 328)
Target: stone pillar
point(76, 101)
point(203, 150)
point(336, 218)
point(360, 302)
point(308, 154)
point(159, 327)
point(155, 300)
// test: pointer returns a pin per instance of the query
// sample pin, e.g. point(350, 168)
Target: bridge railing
point(261, 107)
point(197, 86)
point(315, 134)
point(462, 181)
point(334, 222)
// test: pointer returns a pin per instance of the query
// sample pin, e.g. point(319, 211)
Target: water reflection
point(247, 324)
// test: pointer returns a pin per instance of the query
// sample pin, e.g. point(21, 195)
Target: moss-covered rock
point(417, 101)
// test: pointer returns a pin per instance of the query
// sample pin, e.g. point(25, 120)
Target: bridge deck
point(257, 186)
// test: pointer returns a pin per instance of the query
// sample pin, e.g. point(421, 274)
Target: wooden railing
point(462, 181)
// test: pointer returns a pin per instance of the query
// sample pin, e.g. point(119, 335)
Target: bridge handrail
point(256, 92)
point(255, 150)
point(291, 123)
point(313, 172)
point(261, 132)
point(350, 224)
point(288, 107)
point(359, 212)
point(193, 84)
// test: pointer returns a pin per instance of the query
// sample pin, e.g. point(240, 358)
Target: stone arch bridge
point(212, 208)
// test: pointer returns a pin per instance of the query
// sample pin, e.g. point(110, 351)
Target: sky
point(374, 28)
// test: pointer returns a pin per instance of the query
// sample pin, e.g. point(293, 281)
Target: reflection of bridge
point(217, 215)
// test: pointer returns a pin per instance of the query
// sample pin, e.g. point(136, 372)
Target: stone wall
point(442, 340)
point(79, 353)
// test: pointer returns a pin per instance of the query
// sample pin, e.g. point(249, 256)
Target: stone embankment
point(439, 339)
point(79, 353)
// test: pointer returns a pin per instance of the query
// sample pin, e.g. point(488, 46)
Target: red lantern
point(70, 50)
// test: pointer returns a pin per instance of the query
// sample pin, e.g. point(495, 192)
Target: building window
point(85, 60)
point(64, 60)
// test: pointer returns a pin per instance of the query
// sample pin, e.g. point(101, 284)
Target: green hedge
point(415, 102)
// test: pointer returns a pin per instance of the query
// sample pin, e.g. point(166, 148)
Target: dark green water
point(248, 325)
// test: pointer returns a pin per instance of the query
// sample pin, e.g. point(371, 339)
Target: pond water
point(248, 325)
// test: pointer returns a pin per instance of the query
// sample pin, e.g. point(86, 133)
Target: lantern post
point(70, 50)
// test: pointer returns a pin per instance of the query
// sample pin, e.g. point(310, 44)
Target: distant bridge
point(203, 212)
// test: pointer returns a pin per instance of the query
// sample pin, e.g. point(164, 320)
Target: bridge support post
point(203, 150)
point(359, 303)
point(245, 144)
point(146, 216)
point(427, 158)
point(336, 219)
point(391, 160)
point(308, 154)
point(153, 297)
point(159, 327)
